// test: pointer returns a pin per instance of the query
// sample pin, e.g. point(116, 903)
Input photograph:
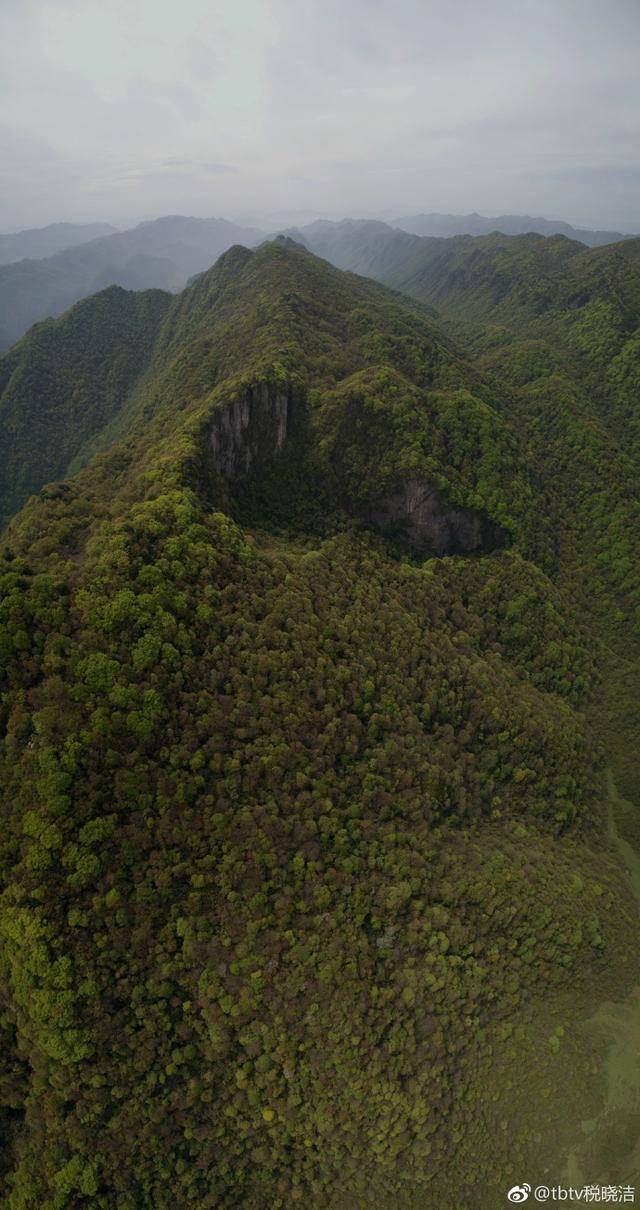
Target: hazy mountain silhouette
point(509, 224)
point(37, 242)
point(163, 253)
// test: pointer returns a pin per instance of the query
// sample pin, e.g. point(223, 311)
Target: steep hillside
point(304, 844)
point(379, 371)
point(496, 278)
point(557, 326)
point(162, 254)
point(362, 246)
point(582, 306)
point(509, 280)
point(64, 382)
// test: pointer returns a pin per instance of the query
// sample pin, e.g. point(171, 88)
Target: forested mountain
point(163, 254)
point(487, 277)
point(45, 241)
point(167, 252)
point(363, 246)
point(447, 225)
point(66, 381)
point(317, 678)
point(559, 322)
point(553, 306)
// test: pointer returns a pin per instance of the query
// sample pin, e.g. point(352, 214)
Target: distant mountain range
point(363, 246)
point(432, 268)
point(446, 225)
point(167, 252)
point(38, 242)
point(163, 254)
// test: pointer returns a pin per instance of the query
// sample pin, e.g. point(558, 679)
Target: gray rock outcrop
point(421, 516)
point(250, 429)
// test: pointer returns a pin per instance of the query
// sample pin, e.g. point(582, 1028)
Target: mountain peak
point(285, 241)
point(162, 253)
point(277, 314)
point(301, 829)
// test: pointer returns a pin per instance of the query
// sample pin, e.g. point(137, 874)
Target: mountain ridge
point(209, 299)
point(304, 835)
point(38, 242)
point(160, 254)
point(165, 253)
point(447, 225)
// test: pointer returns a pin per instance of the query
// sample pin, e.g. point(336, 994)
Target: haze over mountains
point(46, 241)
point(509, 224)
point(164, 253)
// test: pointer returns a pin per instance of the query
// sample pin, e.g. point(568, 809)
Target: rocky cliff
point(251, 428)
point(419, 514)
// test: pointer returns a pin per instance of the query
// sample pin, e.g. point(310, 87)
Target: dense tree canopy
point(302, 830)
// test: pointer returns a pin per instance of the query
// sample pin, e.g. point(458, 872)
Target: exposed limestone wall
point(255, 426)
point(250, 429)
point(430, 524)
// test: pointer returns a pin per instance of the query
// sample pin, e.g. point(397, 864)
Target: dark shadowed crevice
point(418, 515)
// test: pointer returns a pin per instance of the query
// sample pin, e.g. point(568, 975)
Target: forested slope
point(65, 382)
point(304, 815)
point(161, 254)
point(558, 326)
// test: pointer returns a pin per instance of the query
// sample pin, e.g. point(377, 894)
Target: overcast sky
point(126, 109)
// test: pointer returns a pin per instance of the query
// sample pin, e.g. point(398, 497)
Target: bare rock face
point(419, 514)
point(250, 429)
point(247, 433)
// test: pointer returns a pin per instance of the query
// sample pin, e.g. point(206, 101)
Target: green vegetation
point(557, 327)
point(161, 254)
point(65, 382)
point(303, 832)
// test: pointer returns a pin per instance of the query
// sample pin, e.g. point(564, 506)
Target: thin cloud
point(113, 109)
